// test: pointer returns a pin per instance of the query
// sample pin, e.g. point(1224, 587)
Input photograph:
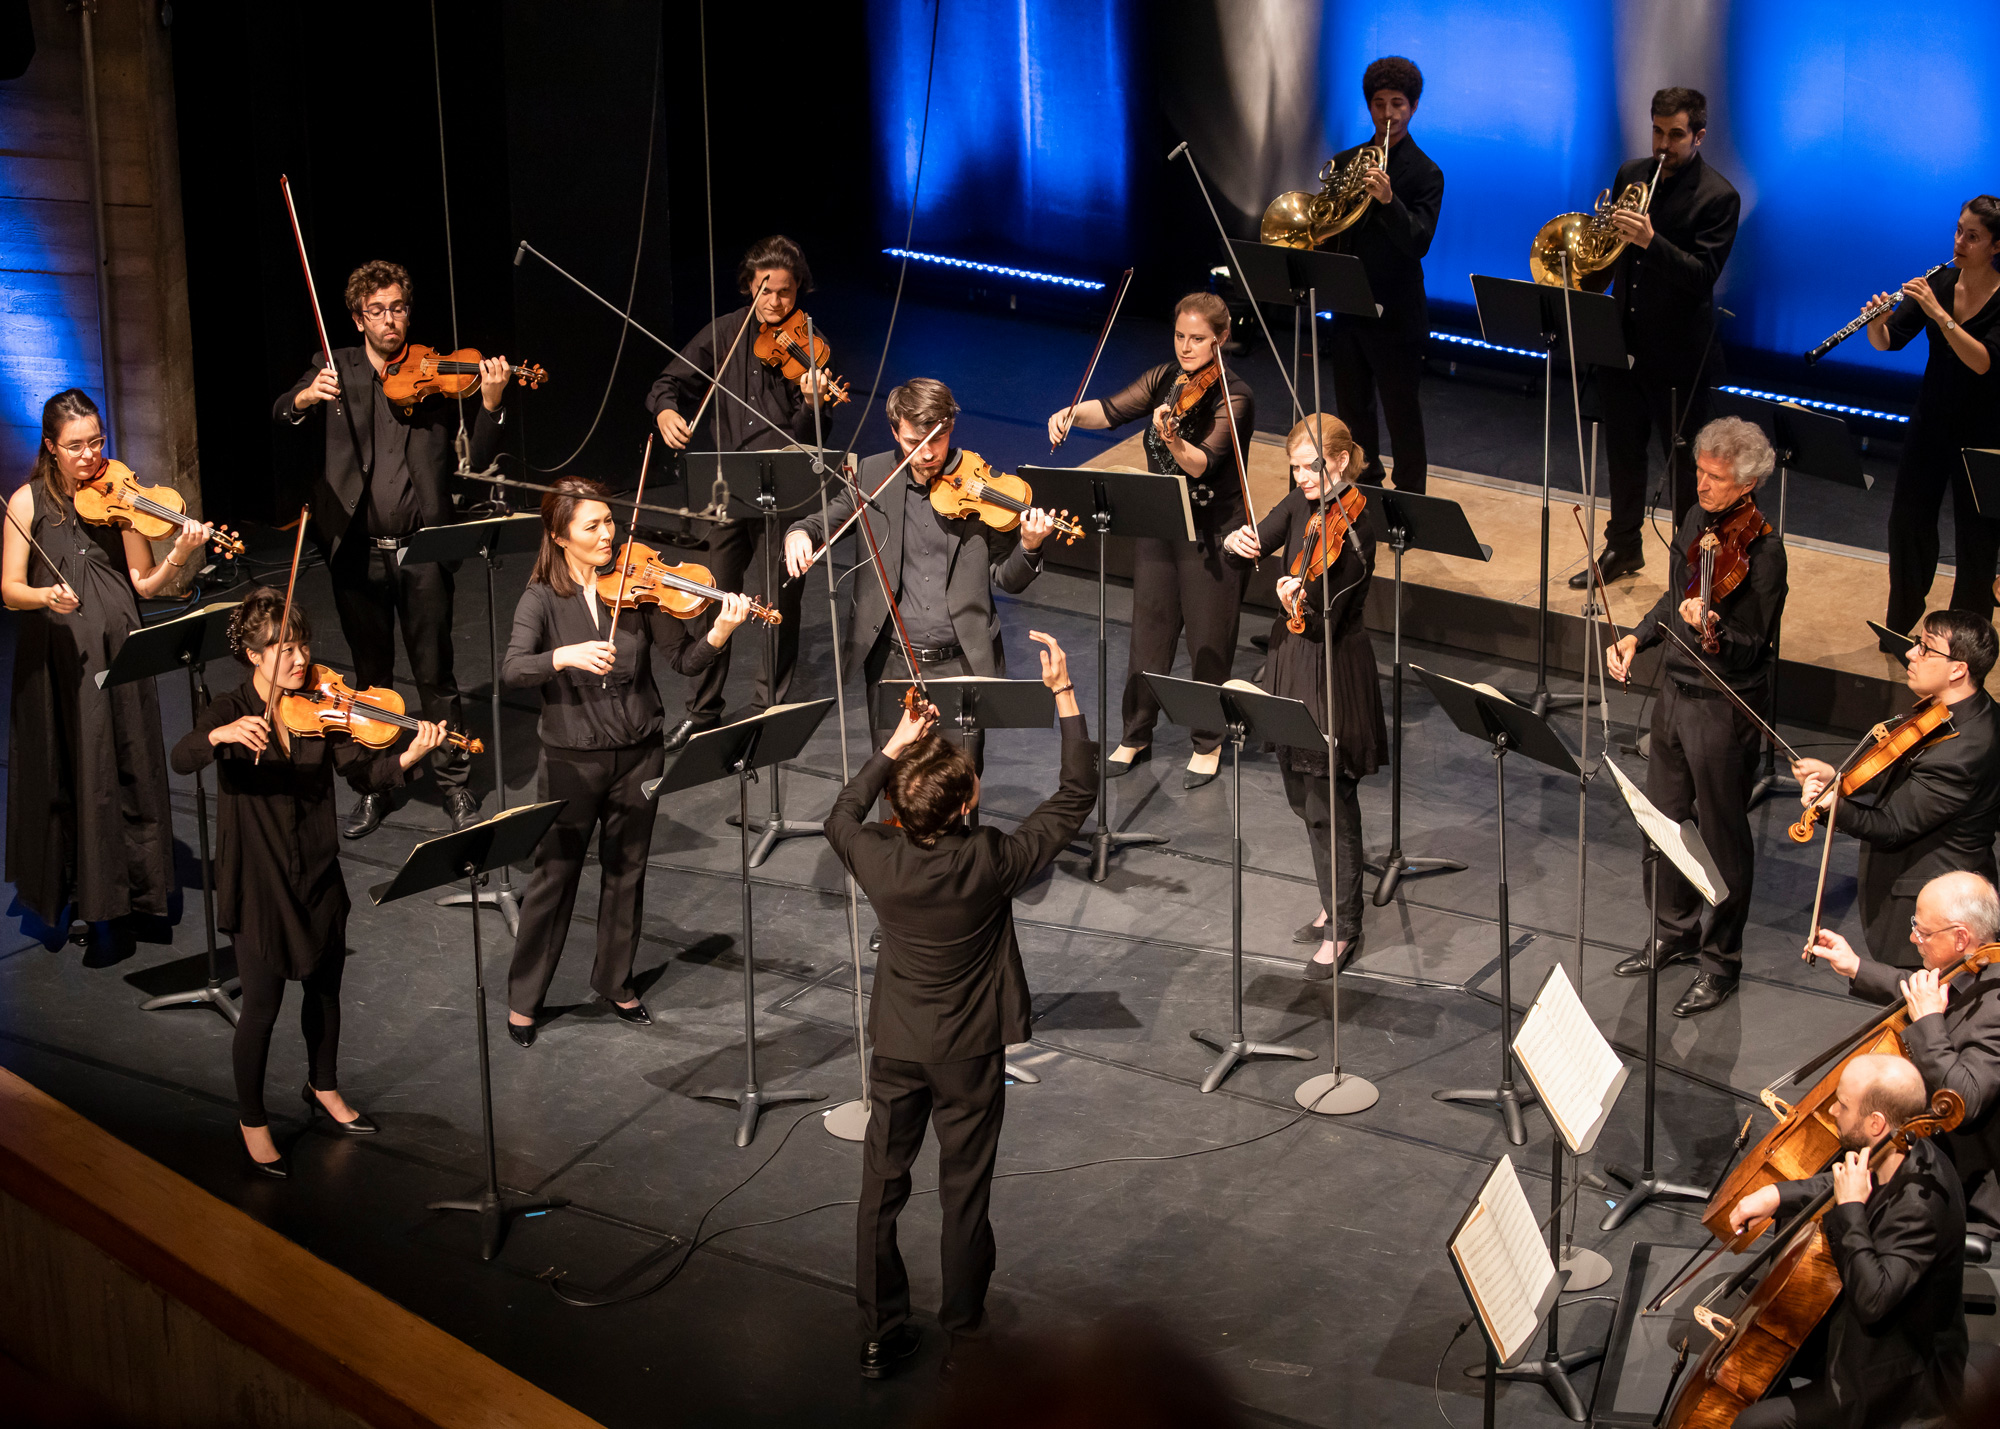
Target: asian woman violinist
point(87, 821)
point(1331, 809)
point(601, 732)
point(278, 885)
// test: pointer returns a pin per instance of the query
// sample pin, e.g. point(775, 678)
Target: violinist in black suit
point(1937, 808)
point(1891, 1351)
point(385, 476)
point(1954, 1031)
point(950, 994)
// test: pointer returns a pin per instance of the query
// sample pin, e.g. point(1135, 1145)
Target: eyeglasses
point(76, 449)
point(378, 312)
point(1920, 649)
point(1925, 935)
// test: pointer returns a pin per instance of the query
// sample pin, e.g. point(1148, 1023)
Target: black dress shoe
point(1194, 780)
point(878, 1357)
point(360, 1126)
point(523, 1036)
point(1636, 965)
point(687, 729)
point(1314, 933)
point(1317, 971)
point(1611, 565)
point(1708, 990)
point(875, 941)
point(1117, 768)
point(279, 1170)
point(636, 1014)
point(461, 808)
point(367, 816)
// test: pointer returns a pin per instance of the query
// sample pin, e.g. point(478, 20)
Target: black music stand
point(188, 643)
point(734, 751)
point(1496, 1368)
point(1513, 313)
point(1242, 713)
point(765, 485)
point(1883, 632)
point(507, 837)
point(1307, 277)
point(487, 541)
point(1492, 718)
point(1408, 521)
point(971, 704)
point(1120, 502)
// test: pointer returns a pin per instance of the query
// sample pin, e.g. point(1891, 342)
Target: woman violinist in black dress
point(601, 742)
point(278, 885)
point(1297, 670)
point(1175, 584)
point(87, 820)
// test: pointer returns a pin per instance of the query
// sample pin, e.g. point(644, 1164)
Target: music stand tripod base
point(1336, 1094)
point(1509, 1099)
point(503, 899)
point(217, 995)
point(1237, 1049)
point(752, 1101)
point(1395, 867)
point(1643, 1189)
point(1553, 1375)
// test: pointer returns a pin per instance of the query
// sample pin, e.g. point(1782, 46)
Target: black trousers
point(1325, 819)
point(257, 1016)
point(1178, 586)
point(1930, 467)
point(966, 1101)
point(1638, 415)
point(882, 663)
point(1367, 360)
point(731, 556)
point(1704, 763)
point(373, 593)
point(600, 790)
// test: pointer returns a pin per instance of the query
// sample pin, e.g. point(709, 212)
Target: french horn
point(1297, 219)
point(1588, 239)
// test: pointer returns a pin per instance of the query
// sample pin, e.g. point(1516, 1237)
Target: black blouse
point(1956, 402)
point(585, 711)
point(1217, 494)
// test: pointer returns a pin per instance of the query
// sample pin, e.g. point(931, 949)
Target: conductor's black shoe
point(461, 808)
point(367, 816)
point(523, 1036)
point(1611, 565)
point(636, 1013)
point(1706, 991)
point(279, 1170)
point(687, 729)
point(1636, 965)
point(878, 1357)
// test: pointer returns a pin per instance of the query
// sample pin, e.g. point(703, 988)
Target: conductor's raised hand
point(798, 550)
point(429, 737)
point(911, 728)
point(595, 657)
point(1055, 664)
point(1243, 542)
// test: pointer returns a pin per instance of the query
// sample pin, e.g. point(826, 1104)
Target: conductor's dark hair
point(777, 251)
point(1969, 638)
point(558, 510)
point(72, 404)
point(1691, 102)
point(929, 785)
point(1393, 72)
point(253, 625)
point(1986, 208)
point(372, 277)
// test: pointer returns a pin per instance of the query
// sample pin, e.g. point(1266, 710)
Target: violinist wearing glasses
point(1937, 808)
point(1704, 748)
point(1297, 669)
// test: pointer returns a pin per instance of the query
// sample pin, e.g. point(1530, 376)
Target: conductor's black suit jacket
point(949, 985)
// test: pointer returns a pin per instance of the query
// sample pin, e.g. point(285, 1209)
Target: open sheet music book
point(1681, 843)
point(1575, 1072)
point(1479, 685)
point(1500, 1255)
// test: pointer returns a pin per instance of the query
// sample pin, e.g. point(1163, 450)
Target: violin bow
point(1723, 685)
point(285, 621)
point(28, 536)
point(625, 562)
point(862, 503)
point(1597, 584)
point(1676, 1282)
point(1236, 442)
point(715, 380)
point(882, 573)
point(1090, 371)
point(312, 291)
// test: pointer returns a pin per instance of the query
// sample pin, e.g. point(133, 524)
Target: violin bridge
point(1720, 1326)
point(1781, 1110)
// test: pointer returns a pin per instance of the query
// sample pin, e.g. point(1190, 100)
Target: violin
point(1000, 500)
point(1718, 560)
point(792, 350)
point(684, 590)
point(373, 717)
point(115, 497)
point(1753, 1347)
point(1891, 743)
point(419, 372)
point(1311, 561)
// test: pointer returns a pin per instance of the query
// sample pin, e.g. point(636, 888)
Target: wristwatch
point(1949, 324)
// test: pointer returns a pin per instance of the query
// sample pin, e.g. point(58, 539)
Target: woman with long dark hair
point(278, 885)
point(88, 827)
point(601, 742)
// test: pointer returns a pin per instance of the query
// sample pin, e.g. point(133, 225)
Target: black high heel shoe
point(1118, 768)
point(279, 1170)
point(635, 1014)
point(360, 1126)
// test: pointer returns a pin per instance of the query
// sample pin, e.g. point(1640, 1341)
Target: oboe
point(1861, 322)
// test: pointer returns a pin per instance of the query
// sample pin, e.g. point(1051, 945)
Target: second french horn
point(1589, 240)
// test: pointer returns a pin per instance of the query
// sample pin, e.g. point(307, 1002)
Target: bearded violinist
point(774, 274)
point(1704, 748)
point(1937, 808)
point(385, 476)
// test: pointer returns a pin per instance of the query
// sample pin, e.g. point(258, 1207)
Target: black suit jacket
point(1667, 290)
point(1895, 1339)
point(949, 984)
point(350, 445)
point(1391, 240)
point(1936, 810)
point(1960, 1050)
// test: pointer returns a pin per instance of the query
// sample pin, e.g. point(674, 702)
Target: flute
point(1861, 322)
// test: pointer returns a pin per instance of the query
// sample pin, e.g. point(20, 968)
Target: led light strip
point(995, 268)
point(1816, 404)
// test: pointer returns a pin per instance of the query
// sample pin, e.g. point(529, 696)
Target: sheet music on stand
point(1576, 1073)
point(1500, 1256)
point(1681, 842)
point(1178, 480)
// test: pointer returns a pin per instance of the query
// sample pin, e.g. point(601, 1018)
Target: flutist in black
point(1296, 669)
point(1705, 749)
point(278, 885)
point(1385, 355)
point(1174, 584)
point(386, 474)
point(1935, 810)
point(774, 274)
point(950, 994)
point(1958, 309)
point(1666, 291)
point(600, 732)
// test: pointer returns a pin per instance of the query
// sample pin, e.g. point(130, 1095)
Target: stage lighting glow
point(1055, 278)
point(1813, 402)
